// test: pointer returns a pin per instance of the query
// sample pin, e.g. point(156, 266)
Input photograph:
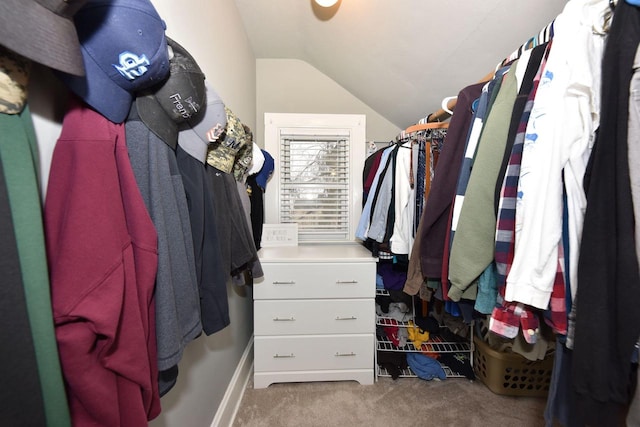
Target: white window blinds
point(315, 185)
point(317, 178)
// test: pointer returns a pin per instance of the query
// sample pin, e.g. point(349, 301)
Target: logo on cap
point(180, 108)
point(131, 65)
point(214, 133)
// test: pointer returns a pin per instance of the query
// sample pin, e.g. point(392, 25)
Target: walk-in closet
point(309, 213)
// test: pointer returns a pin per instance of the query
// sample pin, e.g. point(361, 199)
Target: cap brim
point(37, 33)
point(214, 115)
point(100, 92)
point(178, 48)
point(193, 144)
point(157, 120)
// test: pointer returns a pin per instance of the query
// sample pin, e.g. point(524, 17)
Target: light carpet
point(405, 402)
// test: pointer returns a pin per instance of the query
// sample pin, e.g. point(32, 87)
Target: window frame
point(351, 126)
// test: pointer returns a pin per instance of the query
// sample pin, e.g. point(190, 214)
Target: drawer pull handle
point(283, 356)
point(284, 319)
point(346, 318)
point(290, 282)
point(342, 282)
point(345, 354)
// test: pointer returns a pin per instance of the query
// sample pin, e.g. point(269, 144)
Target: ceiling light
point(326, 3)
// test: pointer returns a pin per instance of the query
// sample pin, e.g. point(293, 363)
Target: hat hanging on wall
point(43, 31)
point(194, 137)
point(266, 171)
point(125, 51)
point(14, 80)
point(180, 98)
point(222, 153)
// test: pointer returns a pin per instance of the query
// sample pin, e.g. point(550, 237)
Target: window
point(317, 180)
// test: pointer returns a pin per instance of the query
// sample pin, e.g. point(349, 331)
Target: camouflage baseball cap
point(14, 77)
point(244, 158)
point(222, 153)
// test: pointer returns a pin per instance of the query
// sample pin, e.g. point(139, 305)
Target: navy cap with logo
point(124, 48)
point(181, 98)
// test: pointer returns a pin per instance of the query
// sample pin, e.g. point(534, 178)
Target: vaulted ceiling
point(400, 57)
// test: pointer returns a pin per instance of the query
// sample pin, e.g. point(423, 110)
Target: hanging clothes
point(20, 160)
point(364, 224)
point(401, 238)
point(609, 282)
point(472, 247)
point(212, 281)
point(21, 382)
point(239, 253)
point(507, 318)
point(191, 157)
point(436, 213)
point(562, 125)
point(177, 298)
point(102, 252)
point(398, 189)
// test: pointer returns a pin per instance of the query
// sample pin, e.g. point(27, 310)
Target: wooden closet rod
point(441, 114)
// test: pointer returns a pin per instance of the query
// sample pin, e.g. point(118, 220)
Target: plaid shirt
point(556, 315)
point(507, 317)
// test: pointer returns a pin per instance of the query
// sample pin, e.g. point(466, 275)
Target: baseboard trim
point(228, 408)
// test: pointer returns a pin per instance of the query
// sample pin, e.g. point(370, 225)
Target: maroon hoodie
point(101, 247)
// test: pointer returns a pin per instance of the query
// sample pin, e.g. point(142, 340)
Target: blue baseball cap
point(124, 49)
point(267, 170)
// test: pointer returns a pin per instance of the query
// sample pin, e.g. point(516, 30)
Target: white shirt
point(402, 237)
point(559, 136)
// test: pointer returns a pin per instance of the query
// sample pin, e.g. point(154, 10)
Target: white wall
point(294, 86)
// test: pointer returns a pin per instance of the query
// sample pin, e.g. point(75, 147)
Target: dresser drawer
point(322, 316)
point(299, 353)
point(316, 280)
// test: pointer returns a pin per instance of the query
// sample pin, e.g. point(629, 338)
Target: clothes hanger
point(608, 17)
point(445, 104)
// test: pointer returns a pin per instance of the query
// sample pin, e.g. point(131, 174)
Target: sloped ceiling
point(400, 57)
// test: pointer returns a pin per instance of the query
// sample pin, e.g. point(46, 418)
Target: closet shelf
point(408, 373)
point(435, 345)
point(387, 321)
point(427, 347)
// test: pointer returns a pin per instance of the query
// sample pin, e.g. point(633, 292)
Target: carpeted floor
point(405, 402)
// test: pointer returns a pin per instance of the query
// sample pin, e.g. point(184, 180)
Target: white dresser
point(314, 314)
